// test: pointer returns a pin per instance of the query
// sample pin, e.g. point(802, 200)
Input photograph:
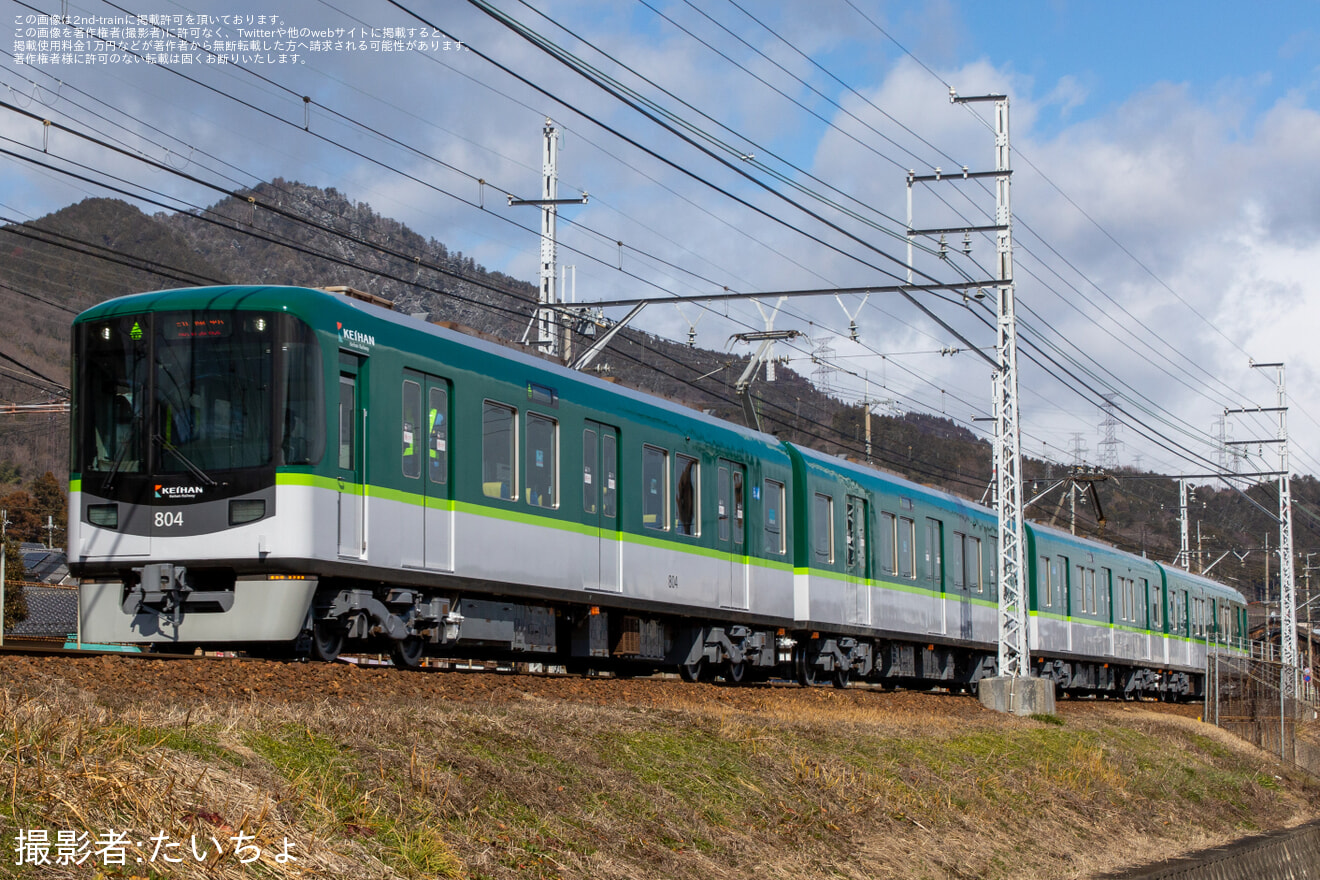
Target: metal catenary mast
point(1287, 582)
point(1014, 655)
point(548, 333)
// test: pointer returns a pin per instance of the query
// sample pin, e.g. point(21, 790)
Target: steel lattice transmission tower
point(1110, 445)
point(823, 376)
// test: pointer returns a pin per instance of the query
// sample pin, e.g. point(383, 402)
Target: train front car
point(185, 405)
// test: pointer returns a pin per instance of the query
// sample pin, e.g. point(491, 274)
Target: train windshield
point(196, 392)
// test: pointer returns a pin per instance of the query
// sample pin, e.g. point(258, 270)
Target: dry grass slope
point(385, 775)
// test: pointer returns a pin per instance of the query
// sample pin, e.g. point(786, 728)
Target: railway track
point(127, 680)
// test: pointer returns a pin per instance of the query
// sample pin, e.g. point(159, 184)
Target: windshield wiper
point(115, 465)
point(187, 462)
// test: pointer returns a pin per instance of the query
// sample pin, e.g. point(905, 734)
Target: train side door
point(855, 560)
point(352, 451)
point(731, 536)
point(426, 532)
point(439, 513)
point(601, 569)
point(934, 575)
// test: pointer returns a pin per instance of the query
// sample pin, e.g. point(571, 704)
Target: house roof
point(52, 612)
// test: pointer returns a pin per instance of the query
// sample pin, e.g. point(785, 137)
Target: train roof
point(865, 474)
point(311, 305)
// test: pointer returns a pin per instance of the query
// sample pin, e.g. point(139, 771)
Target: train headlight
point(104, 515)
point(246, 510)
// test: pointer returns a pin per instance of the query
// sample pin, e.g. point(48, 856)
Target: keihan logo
point(177, 491)
point(354, 337)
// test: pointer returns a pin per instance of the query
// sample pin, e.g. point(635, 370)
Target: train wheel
point(407, 654)
point(807, 672)
point(692, 672)
point(842, 675)
point(734, 673)
point(327, 641)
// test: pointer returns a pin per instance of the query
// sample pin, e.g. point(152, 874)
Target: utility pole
point(546, 322)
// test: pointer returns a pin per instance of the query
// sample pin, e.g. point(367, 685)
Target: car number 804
point(168, 518)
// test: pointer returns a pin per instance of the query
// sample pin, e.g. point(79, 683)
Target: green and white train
point(290, 471)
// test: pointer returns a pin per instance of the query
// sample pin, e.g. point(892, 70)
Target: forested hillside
point(289, 233)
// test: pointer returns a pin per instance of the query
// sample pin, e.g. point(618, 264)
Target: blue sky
point(1114, 50)
point(1166, 190)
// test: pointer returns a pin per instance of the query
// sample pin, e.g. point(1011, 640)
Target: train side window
point(609, 498)
point(1105, 593)
point(972, 560)
point(589, 471)
point(934, 553)
point(437, 435)
point(412, 422)
point(542, 461)
point(1045, 587)
point(499, 447)
point(907, 548)
point(774, 510)
point(1155, 605)
point(655, 488)
point(822, 528)
point(687, 496)
point(888, 543)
